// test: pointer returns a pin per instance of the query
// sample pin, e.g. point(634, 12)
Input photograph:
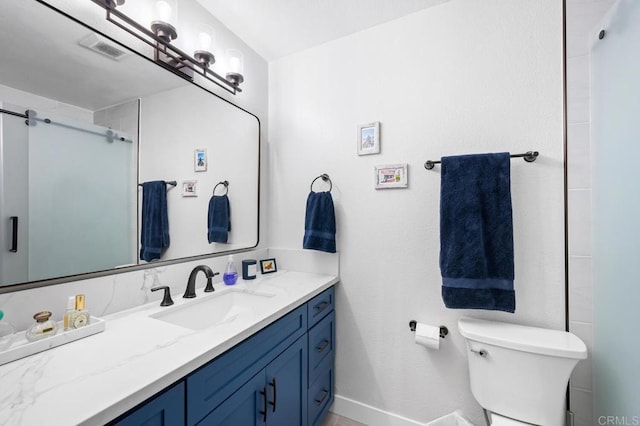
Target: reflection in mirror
point(96, 127)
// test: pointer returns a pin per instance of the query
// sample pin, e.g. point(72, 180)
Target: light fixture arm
point(178, 58)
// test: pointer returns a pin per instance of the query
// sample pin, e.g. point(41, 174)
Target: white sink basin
point(221, 307)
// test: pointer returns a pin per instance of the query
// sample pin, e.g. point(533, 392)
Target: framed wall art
point(190, 188)
point(200, 160)
point(369, 138)
point(391, 176)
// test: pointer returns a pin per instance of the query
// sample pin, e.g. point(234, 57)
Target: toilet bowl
point(519, 374)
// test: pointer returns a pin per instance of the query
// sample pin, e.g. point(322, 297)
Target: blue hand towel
point(154, 236)
point(320, 223)
point(219, 219)
point(476, 232)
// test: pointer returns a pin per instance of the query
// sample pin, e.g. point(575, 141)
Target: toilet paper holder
point(443, 330)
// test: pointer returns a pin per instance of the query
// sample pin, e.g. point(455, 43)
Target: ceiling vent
point(104, 46)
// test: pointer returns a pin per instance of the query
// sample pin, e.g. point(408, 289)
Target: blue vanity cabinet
point(216, 381)
point(166, 408)
point(321, 344)
point(276, 396)
point(320, 306)
point(283, 375)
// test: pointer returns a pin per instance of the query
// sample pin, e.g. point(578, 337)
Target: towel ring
point(325, 177)
point(226, 187)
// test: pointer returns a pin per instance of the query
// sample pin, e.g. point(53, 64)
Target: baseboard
point(367, 414)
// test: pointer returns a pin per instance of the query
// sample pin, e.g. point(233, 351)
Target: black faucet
point(166, 300)
point(190, 292)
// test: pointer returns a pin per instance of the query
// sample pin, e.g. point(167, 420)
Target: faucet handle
point(209, 288)
point(166, 300)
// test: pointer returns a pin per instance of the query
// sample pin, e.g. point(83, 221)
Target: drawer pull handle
point(323, 346)
point(275, 394)
point(321, 306)
point(325, 393)
point(263, 392)
point(14, 234)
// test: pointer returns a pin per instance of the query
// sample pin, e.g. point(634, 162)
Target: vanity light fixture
point(235, 61)
point(160, 35)
point(206, 41)
point(161, 26)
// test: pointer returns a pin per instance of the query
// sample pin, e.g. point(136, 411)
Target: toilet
point(519, 374)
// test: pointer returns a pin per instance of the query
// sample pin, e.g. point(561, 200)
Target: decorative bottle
point(80, 317)
point(44, 327)
point(230, 275)
point(71, 308)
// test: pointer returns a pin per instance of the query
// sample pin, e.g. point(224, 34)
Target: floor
point(336, 420)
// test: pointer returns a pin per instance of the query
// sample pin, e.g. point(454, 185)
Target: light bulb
point(204, 41)
point(234, 64)
point(164, 11)
point(235, 61)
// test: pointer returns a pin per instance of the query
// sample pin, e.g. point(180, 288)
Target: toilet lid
point(498, 420)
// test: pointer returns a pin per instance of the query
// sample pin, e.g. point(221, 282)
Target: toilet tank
point(521, 372)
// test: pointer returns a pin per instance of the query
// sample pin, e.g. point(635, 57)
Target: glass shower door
point(82, 205)
point(615, 136)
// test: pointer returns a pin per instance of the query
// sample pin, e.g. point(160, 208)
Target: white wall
point(463, 77)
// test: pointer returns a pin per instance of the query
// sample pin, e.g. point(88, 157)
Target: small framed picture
point(268, 266)
point(391, 176)
point(200, 160)
point(190, 188)
point(369, 138)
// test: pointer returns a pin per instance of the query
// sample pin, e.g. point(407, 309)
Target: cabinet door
point(164, 409)
point(246, 407)
point(287, 386)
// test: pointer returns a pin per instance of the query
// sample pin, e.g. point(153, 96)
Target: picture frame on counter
point(268, 266)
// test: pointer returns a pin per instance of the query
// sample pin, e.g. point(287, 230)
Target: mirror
point(81, 130)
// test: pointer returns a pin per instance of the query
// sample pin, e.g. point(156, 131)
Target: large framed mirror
point(85, 123)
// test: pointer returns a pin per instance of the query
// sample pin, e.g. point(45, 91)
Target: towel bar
point(529, 157)
point(169, 182)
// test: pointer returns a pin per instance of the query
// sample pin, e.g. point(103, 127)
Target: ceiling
point(277, 28)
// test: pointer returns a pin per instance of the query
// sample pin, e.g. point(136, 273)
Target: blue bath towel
point(219, 219)
point(320, 223)
point(476, 232)
point(154, 235)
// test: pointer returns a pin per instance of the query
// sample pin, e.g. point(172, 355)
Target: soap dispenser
point(230, 275)
point(6, 333)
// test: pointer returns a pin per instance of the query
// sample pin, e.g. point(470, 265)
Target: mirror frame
point(114, 271)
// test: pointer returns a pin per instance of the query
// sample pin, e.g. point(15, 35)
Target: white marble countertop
point(93, 380)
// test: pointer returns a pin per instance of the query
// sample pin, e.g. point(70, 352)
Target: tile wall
point(582, 18)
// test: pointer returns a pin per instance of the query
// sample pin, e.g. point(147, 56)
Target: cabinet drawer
point(166, 408)
point(321, 344)
point(320, 306)
point(213, 383)
point(320, 395)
